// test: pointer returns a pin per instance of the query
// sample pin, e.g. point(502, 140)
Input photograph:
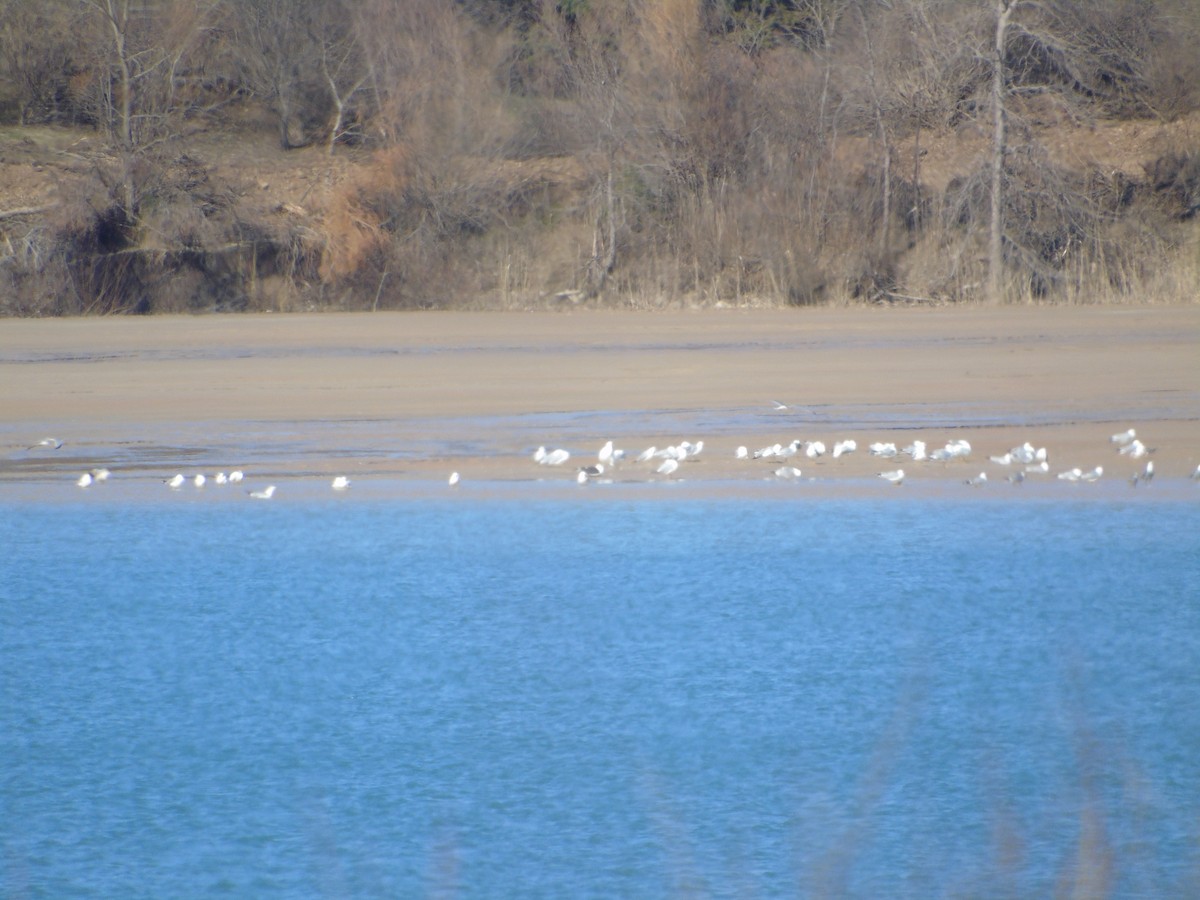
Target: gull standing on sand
point(1134, 449)
point(235, 476)
point(788, 472)
point(894, 477)
point(175, 483)
point(1025, 454)
point(668, 467)
point(1123, 437)
point(101, 474)
point(198, 481)
point(605, 456)
point(842, 447)
point(789, 451)
point(1145, 476)
point(978, 481)
point(340, 483)
point(265, 494)
point(85, 480)
point(453, 479)
point(741, 453)
point(956, 449)
point(51, 443)
point(777, 406)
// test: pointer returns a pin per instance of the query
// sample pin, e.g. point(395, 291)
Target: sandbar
point(412, 396)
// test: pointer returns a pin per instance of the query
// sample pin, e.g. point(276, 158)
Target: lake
point(700, 696)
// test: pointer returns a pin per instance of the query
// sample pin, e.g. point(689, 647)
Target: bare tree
point(307, 60)
point(631, 69)
point(139, 51)
point(589, 45)
point(279, 61)
point(142, 49)
point(341, 63)
point(1070, 61)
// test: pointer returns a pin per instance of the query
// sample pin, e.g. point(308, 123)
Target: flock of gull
point(1022, 461)
point(1018, 463)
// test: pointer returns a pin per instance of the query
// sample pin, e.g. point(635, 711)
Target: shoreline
point(413, 396)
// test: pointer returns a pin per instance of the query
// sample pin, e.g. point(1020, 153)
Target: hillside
point(46, 172)
point(654, 158)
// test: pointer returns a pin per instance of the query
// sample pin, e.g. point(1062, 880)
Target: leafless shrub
point(37, 57)
point(1172, 73)
point(1174, 179)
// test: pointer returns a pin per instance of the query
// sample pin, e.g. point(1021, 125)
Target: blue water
point(712, 698)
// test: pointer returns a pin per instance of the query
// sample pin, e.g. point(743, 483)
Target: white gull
point(1134, 449)
point(843, 447)
point(1123, 437)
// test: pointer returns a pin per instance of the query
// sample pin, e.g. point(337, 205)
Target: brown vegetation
point(173, 155)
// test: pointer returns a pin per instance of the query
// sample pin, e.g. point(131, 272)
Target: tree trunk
point(885, 221)
point(995, 281)
point(118, 21)
point(335, 126)
point(603, 268)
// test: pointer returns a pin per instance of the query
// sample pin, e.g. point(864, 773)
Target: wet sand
point(412, 396)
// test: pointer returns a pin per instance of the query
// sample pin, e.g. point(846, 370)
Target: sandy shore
point(416, 395)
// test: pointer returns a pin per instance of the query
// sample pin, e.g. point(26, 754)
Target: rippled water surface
point(703, 697)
